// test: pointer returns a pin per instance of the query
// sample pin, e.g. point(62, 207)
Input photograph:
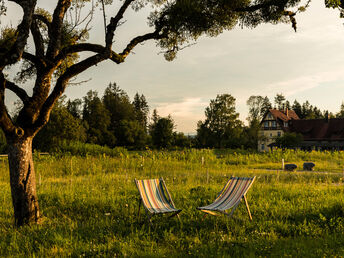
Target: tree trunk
point(23, 181)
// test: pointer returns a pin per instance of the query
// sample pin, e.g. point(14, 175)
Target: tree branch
point(43, 19)
point(99, 49)
point(23, 31)
point(56, 27)
point(61, 85)
point(39, 63)
point(138, 40)
point(5, 120)
point(21, 93)
point(112, 26)
point(37, 38)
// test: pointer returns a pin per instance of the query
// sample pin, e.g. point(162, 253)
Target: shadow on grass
point(102, 227)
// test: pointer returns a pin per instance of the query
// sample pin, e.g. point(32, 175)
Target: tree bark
point(23, 181)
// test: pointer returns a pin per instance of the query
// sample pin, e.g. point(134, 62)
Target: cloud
point(185, 108)
point(185, 113)
point(306, 82)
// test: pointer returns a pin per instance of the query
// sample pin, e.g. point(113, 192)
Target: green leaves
point(184, 21)
point(7, 38)
point(333, 3)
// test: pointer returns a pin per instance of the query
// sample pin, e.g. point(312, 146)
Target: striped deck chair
point(155, 198)
point(230, 197)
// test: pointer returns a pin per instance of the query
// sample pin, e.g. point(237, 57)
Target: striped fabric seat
point(230, 196)
point(155, 196)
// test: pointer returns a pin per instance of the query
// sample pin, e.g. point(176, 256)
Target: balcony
point(270, 128)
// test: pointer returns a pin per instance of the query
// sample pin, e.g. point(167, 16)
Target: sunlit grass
point(90, 205)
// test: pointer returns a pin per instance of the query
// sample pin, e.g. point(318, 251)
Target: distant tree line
point(115, 120)
point(111, 120)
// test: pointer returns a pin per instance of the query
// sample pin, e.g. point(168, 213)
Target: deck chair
point(155, 198)
point(230, 197)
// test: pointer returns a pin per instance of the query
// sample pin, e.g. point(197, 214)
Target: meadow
point(90, 205)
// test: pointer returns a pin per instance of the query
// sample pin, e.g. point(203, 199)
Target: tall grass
point(90, 204)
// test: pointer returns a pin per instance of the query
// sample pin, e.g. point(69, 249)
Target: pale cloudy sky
point(270, 59)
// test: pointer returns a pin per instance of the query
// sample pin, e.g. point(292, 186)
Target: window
point(270, 134)
point(285, 124)
point(278, 134)
point(273, 124)
point(266, 124)
point(263, 147)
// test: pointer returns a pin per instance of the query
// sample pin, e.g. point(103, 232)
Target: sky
point(269, 59)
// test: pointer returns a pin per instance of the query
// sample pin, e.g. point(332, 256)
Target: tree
point(58, 41)
point(256, 108)
point(340, 114)
point(182, 141)
point(289, 140)
point(155, 117)
point(204, 137)
point(141, 110)
point(118, 104)
point(310, 112)
point(287, 104)
point(221, 119)
point(131, 134)
point(266, 106)
point(62, 126)
point(75, 108)
point(162, 132)
point(98, 120)
point(297, 108)
point(280, 101)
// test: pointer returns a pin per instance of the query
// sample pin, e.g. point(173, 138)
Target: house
point(274, 123)
point(320, 134)
point(317, 134)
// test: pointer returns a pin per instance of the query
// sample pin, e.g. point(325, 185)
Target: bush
point(83, 149)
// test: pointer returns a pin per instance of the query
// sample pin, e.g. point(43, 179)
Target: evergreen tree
point(98, 120)
point(141, 110)
point(117, 102)
point(154, 119)
point(297, 108)
point(287, 104)
point(75, 108)
point(340, 114)
point(266, 106)
point(280, 101)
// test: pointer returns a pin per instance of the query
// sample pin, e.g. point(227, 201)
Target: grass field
point(90, 206)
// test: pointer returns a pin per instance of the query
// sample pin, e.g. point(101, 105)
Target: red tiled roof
point(284, 115)
point(319, 129)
